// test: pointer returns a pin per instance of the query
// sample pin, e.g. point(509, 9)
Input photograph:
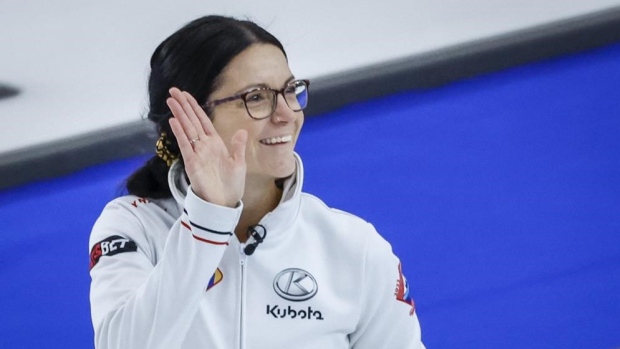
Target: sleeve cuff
point(208, 221)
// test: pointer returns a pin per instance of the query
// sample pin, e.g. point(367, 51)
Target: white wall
point(82, 65)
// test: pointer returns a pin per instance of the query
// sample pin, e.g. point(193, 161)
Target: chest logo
point(295, 285)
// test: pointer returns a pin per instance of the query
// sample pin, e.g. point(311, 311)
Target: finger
point(182, 140)
point(206, 123)
point(184, 112)
point(179, 114)
point(182, 99)
point(238, 144)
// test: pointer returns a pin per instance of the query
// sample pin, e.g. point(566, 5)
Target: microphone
point(259, 233)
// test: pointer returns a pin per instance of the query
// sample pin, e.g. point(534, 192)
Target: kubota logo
point(295, 285)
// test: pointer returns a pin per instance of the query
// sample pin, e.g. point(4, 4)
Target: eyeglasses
point(261, 102)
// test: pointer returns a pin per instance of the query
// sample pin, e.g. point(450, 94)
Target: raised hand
point(216, 173)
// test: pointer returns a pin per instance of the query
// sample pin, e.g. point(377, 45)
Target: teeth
point(277, 140)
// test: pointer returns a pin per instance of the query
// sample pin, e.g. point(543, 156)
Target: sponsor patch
point(109, 247)
point(402, 290)
point(215, 279)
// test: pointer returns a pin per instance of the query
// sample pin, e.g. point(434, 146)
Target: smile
point(276, 140)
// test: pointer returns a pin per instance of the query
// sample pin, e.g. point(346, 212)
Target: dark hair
point(191, 59)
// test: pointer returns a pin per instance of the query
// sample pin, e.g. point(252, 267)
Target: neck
point(261, 196)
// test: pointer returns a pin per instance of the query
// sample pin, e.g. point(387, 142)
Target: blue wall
point(501, 195)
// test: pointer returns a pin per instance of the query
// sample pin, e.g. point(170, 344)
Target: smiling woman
point(170, 263)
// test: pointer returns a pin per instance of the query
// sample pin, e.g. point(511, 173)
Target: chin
point(286, 169)
point(283, 167)
point(279, 168)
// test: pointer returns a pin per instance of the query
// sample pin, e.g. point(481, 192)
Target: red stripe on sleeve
point(186, 225)
point(209, 241)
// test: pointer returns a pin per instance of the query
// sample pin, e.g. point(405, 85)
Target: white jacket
point(172, 274)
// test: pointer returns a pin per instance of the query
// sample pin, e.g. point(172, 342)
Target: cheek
point(300, 123)
point(225, 134)
point(227, 125)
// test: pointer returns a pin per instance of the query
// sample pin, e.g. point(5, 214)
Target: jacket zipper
point(242, 259)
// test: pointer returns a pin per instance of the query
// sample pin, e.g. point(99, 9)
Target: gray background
point(82, 66)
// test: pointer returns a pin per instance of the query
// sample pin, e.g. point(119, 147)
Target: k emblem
point(295, 285)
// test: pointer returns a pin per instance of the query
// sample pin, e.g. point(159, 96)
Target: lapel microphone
point(259, 233)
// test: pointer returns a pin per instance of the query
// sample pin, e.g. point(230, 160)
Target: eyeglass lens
point(262, 103)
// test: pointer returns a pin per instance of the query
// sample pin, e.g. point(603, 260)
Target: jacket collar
point(275, 221)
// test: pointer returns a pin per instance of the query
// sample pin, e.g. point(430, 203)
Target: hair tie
point(162, 151)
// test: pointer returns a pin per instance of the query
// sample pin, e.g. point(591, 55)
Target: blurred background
point(480, 138)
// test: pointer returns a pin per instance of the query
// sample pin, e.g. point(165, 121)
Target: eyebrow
point(263, 85)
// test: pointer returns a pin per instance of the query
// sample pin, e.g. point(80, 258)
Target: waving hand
point(216, 173)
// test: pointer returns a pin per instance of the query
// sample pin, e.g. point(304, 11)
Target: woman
point(216, 246)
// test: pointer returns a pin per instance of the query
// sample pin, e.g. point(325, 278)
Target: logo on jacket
point(295, 285)
point(402, 290)
point(291, 313)
point(215, 279)
point(109, 247)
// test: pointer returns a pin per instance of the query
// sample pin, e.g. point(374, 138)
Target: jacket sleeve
point(136, 304)
point(388, 318)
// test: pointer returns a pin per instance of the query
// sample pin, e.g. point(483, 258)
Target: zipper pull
point(242, 254)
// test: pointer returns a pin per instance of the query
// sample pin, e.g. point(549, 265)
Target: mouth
point(277, 140)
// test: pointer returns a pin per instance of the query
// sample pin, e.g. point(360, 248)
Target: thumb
point(238, 143)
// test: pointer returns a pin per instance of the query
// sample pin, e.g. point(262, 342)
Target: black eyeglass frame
point(212, 104)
